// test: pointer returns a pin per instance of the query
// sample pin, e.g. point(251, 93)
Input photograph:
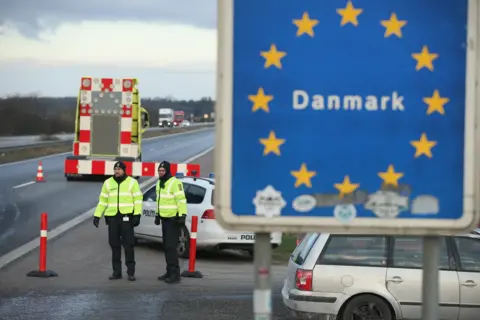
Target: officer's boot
point(115, 276)
point(164, 277)
point(175, 278)
point(131, 277)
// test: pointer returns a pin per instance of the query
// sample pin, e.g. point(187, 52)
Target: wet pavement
point(135, 303)
point(81, 257)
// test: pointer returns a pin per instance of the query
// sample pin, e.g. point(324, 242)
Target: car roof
point(321, 240)
point(201, 181)
point(207, 183)
point(474, 234)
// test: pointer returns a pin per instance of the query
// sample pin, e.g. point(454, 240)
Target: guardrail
point(25, 142)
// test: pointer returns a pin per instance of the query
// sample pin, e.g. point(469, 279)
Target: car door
point(147, 225)
point(404, 278)
point(195, 195)
point(468, 255)
point(360, 258)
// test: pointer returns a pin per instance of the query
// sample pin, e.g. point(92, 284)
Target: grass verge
point(41, 151)
point(281, 254)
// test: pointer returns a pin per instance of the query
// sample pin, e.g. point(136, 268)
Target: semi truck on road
point(165, 117)
point(178, 117)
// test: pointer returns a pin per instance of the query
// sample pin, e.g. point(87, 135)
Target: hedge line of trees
point(31, 115)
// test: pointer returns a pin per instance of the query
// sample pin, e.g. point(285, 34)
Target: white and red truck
point(178, 117)
point(109, 127)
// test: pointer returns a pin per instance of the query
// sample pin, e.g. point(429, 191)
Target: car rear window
point(367, 251)
point(303, 249)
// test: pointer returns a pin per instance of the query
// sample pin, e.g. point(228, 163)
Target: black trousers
point(171, 235)
point(120, 233)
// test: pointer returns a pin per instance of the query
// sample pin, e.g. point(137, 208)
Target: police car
point(200, 193)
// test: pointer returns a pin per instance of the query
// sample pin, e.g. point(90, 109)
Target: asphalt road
point(21, 203)
point(135, 303)
point(82, 291)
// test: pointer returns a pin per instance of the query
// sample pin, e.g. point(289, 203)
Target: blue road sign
point(346, 115)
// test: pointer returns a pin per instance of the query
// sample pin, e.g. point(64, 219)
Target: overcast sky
point(169, 45)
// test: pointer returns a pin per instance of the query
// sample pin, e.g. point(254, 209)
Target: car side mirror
point(145, 120)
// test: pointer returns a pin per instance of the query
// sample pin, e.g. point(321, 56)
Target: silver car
point(379, 277)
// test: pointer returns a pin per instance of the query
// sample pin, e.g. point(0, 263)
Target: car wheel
point(367, 306)
point(183, 247)
point(135, 241)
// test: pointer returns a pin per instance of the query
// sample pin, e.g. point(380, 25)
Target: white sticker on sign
point(269, 202)
point(425, 204)
point(345, 212)
point(386, 204)
point(304, 203)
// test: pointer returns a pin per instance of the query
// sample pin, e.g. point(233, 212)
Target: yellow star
point(424, 59)
point(436, 103)
point(423, 146)
point(346, 186)
point(273, 57)
point(390, 177)
point(272, 144)
point(349, 14)
point(303, 176)
point(305, 25)
point(260, 100)
point(393, 26)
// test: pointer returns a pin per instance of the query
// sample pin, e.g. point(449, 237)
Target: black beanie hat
point(165, 165)
point(120, 165)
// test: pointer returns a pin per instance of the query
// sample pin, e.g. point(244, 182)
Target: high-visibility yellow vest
point(171, 199)
point(126, 198)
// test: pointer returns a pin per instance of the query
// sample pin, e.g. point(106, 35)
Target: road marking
point(26, 248)
point(70, 152)
point(24, 184)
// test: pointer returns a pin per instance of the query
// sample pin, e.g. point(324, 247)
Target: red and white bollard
point(191, 272)
point(42, 271)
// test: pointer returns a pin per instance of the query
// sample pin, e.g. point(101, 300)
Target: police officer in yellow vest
point(171, 212)
point(121, 203)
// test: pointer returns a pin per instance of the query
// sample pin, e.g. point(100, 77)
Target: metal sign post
point(347, 117)
point(430, 288)
point(262, 294)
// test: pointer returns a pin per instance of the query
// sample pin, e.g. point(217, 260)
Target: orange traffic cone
point(40, 173)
